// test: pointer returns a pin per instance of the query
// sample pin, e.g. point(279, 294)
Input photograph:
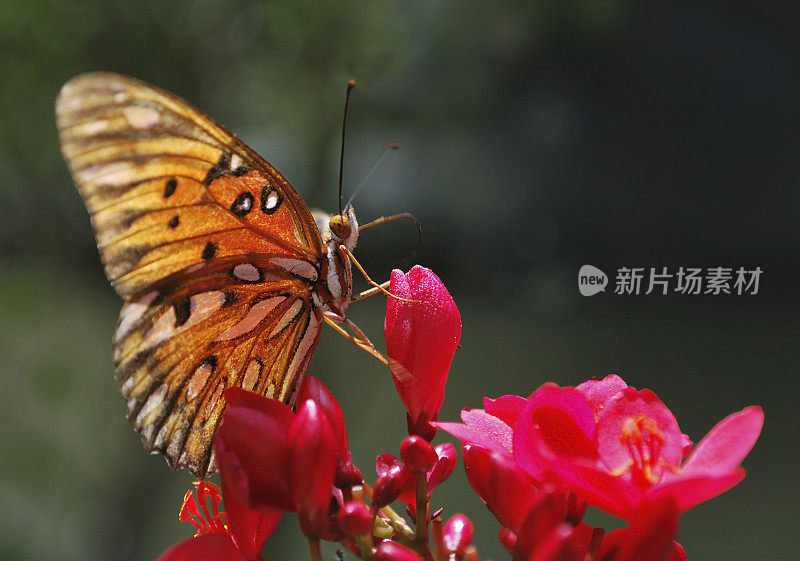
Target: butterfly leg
point(369, 292)
point(377, 286)
point(369, 347)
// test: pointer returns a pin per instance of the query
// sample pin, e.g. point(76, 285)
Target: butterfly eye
point(340, 226)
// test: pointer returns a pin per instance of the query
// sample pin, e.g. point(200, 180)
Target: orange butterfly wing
point(214, 253)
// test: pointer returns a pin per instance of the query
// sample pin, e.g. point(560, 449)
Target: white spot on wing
point(251, 375)
point(272, 200)
point(203, 305)
point(211, 403)
point(236, 162)
point(246, 272)
point(140, 117)
point(94, 127)
point(153, 402)
point(175, 443)
point(287, 317)
point(297, 368)
point(115, 173)
point(126, 386)
point(198, 379)
point(162, 329)
point(161, 437)
point(298, 267)
point(254, 316)
point(133, 312)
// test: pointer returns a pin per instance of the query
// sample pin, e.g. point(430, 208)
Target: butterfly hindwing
point(176, 351)
point(167, 187)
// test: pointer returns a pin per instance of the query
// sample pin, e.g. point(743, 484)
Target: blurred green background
point(536, 136)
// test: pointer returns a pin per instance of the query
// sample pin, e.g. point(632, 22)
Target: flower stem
point(436, 534)
point(422, 507)
point(313, 546)
point(422, 516)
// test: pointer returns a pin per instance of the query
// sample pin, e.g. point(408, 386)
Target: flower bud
point(422, 332)
point(508, 539)
point(444, 466)
point(312, 464)
point(355, 519)
point(392, 551)
point(417, 454)
point(389, 485)
point(457, 535)
point(347, 474)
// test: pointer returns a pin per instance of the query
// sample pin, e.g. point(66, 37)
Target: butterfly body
point(225, 275)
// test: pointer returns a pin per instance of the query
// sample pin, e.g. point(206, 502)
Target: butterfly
point(225, 273)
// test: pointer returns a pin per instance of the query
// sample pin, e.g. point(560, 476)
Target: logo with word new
point(591, 280)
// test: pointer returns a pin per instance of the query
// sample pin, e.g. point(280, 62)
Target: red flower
point(615, 446)
point(421, 339)
point(274, 460)
point(241, 539)
point(622, 448)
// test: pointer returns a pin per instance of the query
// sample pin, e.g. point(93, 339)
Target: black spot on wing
point(222, 167)
point(210, 360)
point(182, 311)
point(209, 251)
point(230, 299)
point(170, 187)
point(173, 222)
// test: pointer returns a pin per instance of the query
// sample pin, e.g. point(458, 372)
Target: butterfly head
point(344, 228)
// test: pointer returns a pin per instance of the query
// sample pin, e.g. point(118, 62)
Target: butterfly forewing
point(162, 181)
point(214, 253)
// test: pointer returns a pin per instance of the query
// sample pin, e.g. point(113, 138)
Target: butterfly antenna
point(392, 146)
point(350, 85)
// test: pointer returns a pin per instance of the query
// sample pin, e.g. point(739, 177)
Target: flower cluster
point(537, 462)
point(604, 444)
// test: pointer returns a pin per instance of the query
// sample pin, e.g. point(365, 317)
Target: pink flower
point(617, 447)
point(422, 334)
point(274, 460)
point(622, 447)
point(240, 539)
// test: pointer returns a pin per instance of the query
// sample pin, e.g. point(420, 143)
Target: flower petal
point(507, 490)
point(689, 491)
point(478, 437)
point(600, 391)
point(252, 448)
point(556, 423)
point(727, 444)
point(312, 466)
point(507, 408)
point(648, 538)
point(249, 529)
point(211, 547)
